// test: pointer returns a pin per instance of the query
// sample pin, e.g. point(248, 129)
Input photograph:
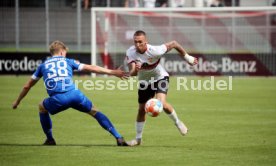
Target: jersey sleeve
point(76, 65)
point(158, 50)
point(129, 57)
point(38, 73)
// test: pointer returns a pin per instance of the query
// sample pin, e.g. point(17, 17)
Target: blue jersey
point(57, 73)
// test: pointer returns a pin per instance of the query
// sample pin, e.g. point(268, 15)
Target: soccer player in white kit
point(143, 61)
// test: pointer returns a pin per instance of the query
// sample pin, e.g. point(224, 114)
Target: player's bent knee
point(92, 112)
point(41, 108)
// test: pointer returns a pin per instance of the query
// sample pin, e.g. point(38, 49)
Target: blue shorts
point(71, 99)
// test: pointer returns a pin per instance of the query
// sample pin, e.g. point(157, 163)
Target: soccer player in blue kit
point(57, 73)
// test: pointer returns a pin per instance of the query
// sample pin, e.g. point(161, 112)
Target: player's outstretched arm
point(100, 70)
point(174, 44)
point(26, 88)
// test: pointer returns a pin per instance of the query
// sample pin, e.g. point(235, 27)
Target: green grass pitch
point(226, 128)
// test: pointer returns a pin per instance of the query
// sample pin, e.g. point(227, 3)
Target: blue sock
point(106, 124)
point(46, 124)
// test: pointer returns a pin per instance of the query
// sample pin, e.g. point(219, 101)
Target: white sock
point(139, 129)
point(174, 117)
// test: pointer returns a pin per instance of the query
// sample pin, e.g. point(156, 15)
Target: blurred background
point(29, 26)
point(232, 127)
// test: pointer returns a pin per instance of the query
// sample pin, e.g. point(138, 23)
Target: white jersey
point(151, 69)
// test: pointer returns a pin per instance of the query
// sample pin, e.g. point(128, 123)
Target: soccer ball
point(153, 107)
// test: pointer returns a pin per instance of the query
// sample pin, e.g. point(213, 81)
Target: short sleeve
point(38, 73)
point(158, 50)
point(76, 65)
point(129, 57)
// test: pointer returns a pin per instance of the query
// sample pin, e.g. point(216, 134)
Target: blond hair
point(56, 46)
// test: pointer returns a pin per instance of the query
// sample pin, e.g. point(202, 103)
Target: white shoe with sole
point(182, 128)
point(135, 142)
